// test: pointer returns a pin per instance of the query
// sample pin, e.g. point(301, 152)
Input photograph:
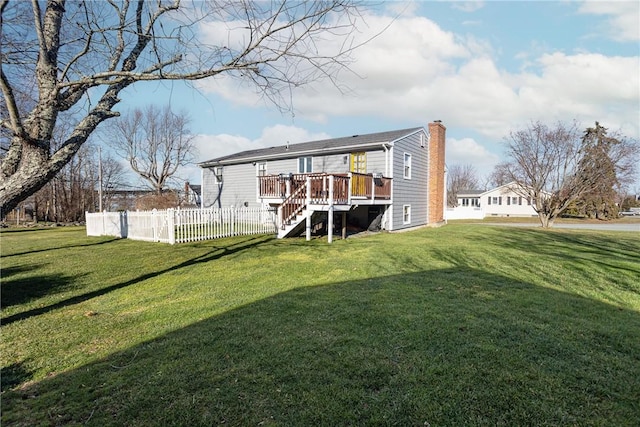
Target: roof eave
point(293, 154)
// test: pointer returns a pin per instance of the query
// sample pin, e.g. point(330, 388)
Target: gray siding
point(334, 163)
point(239, 183)
point(331, 164)
point(275, 167)
point(237, 188)
point(414, 191)
point(209, 188)
point(376, 162)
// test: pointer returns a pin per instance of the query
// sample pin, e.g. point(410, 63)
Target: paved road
point(603, 227)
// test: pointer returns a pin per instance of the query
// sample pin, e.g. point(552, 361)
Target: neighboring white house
point(502, 201)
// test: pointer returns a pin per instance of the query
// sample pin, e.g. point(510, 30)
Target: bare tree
point(554, 166)
point(459, 178)
point(80, 55)
point(112, 179)
point(498, 177)
point(155, 141)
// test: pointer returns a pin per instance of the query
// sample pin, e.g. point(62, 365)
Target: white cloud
point(409, 49)
point(468, 6)
point(586, 87)
point(467, 151)
point(415, 71)
point(213, 146)
point(402, 8)
point(623, 23)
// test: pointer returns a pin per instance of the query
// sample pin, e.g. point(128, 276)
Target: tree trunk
point(545, 220)
point(33, 173)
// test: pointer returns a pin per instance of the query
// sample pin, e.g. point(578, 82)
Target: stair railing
point(293, 205)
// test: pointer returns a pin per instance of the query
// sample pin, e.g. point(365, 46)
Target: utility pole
point(99, 179)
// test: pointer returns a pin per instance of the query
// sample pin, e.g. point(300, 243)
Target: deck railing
point(302, 190)
point(370, 186)
point(345, 186)
point(293, 205)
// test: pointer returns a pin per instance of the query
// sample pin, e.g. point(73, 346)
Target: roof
point(333, 145)
point(196, 188)
point(470, 192)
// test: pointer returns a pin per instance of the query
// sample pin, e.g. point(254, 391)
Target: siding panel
point(410, 191)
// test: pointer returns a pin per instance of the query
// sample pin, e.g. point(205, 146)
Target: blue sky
point(483, 68)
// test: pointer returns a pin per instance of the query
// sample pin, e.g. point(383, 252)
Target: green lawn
point(459, 325)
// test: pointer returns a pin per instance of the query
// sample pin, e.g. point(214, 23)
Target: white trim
point(305, 164)
point(201, 188)
point(404, 165)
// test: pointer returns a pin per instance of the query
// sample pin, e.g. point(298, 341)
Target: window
point(359, 162)
point(406, 214)
point(304, 165)
point(465, 202)
point(217, 174)
point(475, 202)
point(514, 200)
point(496, 201)
point(407, 166)
point(262, 169)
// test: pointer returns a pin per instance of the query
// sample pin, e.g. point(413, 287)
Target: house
point(388, 180)
point(192, 194)
point(502, 201)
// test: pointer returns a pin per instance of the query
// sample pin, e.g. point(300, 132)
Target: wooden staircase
point(311, 193)
point(293, 211)
point(295, 225)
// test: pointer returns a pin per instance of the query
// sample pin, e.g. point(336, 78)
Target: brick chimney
point(436, 172)
point(186, 192)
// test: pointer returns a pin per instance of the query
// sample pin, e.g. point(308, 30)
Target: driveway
point(578, 226)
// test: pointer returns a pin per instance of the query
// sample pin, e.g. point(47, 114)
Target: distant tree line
point(75, 189)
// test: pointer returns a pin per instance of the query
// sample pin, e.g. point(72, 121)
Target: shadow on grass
point(216, 252)
point(22, 290)
point(58, 247)
point(13, 375)
point(455, 346)
point(22, 230)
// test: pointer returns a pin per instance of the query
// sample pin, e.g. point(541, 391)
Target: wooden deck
point(336, 189)
point(299, 195)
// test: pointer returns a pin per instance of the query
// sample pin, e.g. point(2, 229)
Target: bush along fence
point(181, 225)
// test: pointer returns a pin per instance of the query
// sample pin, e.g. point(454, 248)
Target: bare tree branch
point(71, 49)
point(554, 167)
point(155, 142)
point(460, 178)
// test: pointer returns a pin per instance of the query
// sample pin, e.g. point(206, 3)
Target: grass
point(460, 325)
point(534, 220)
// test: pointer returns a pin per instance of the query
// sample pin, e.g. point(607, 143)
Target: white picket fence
point(181, 225)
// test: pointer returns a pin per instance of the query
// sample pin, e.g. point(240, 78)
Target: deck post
point(373, 187)
point(308, 201)
point(344, 225)
point(330, 213)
